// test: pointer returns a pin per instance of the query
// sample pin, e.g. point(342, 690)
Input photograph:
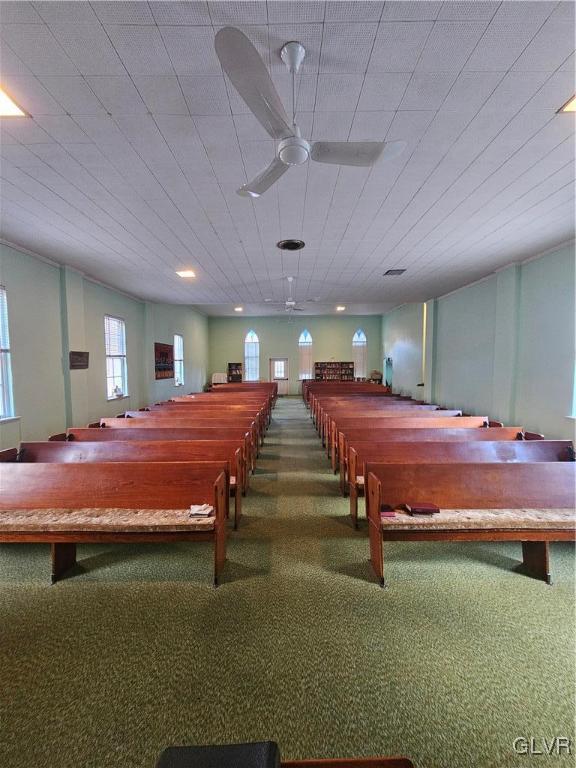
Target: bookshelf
point(334, 371)
point(234, 373)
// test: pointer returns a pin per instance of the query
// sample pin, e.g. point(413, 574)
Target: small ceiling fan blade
point(248, 74)
point(264, 180)
point(358, 153)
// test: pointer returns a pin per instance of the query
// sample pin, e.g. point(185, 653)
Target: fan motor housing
point(294, 150)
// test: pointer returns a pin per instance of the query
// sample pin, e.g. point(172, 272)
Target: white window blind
point(6, 396)
point(359, 353)
point(178, 360)
point(305, 355)
point(251, 357)
point(116, 368)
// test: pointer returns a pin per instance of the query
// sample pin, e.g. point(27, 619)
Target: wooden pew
point(476, 452)
point(67, 504)
point(239, 436)
point(229, 454)
point(448, 433)
point(430, 421)
point(537, 499)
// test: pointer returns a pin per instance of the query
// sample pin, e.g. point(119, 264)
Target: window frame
point(179, 361)
point(305, 364)
point(251, 356)
point(7, 410)
point(360, 353)
point(119, 372)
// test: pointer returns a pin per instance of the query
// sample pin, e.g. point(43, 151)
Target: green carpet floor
point(457, 658)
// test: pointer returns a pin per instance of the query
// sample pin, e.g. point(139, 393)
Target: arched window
point(251, 357)
point(305, 355)
point(359, 353)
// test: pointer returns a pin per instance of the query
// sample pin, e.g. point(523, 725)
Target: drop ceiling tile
point(181, 12)
point(554, 92)
point(549, 47)
point(118, 95)
point(501, 44)
point(406, 10)
point(353, 10)
point(370, 126)
point(569, 64)
point(528, 11)
point(141, 49)
point(58, 11)
point(205, 94)
point(398, 46)
point(249, 129)
point(89, 48)
point(29, 93)
point(19, 13)
point(332, 126)
point(427, 90)
point(470, 91)
point(346, 48)
point(338, 92)
point(25, 130)
point(302, 12)
point(162, 94)
point(191, 50)
point(515, 90)
point(384, 91)
point(478, 10)
point(37, 49)
point(74, 94)
point(62, 129)
point(18, 155)
point(449, 45)
point(238, 12)
point(119, 12)
point(10, 64)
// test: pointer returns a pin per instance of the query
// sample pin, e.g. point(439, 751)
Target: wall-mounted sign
point(78, 360)
point(163, 361)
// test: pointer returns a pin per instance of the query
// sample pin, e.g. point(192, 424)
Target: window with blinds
point(6, 396)
point(116, 368)
point(359, 353)
point(251, 357)
point(178, 360)
point(305, 355)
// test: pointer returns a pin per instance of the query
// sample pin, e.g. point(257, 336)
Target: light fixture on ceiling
point(340, 308)
point(185, 273)
point(394, 272)
point(570, 105)
point(8, 107)
point(290, 245)
point(238, 309)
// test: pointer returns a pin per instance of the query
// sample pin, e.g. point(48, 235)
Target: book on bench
point(201, 510)
point(421, 508)
point(387, 511)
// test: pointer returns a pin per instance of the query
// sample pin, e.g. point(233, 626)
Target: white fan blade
point(264, 180)
point(359, 153)
point(248, 74)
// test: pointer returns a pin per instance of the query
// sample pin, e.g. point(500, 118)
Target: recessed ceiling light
point(186, 273)
point(290, 245)
point(267, 299)
point(570, 105)
point(394, 272)
point(340, 309)
point(9, 108)
point(238, 309)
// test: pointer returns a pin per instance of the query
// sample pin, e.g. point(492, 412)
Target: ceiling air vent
point(394, 272)
point(290, 245)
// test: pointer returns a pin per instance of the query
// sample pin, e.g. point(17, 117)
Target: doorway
point(279, 373)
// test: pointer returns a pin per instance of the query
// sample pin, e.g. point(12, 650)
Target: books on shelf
point(334, 371)
point(234, 372)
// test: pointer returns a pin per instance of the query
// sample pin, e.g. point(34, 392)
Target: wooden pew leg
point(536, 560)
point(354, 505)
point(63, 558)
point(237, 507)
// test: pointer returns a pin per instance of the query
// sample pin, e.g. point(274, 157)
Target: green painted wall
point(331, 338)
point(53, 310)
point(503, 347)
point(33, 291)
point(402, 341)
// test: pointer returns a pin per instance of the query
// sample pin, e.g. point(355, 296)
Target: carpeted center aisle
point(448, 666)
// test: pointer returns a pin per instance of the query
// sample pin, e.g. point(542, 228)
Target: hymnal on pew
point(201, 510)
point(387, 511)
point(421, 508)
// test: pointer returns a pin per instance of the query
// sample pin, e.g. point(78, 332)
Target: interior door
point(279, 373)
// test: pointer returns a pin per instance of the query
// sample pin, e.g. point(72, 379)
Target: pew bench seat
point(534, 528)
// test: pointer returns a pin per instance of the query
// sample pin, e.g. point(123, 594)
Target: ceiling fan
point(290, 305)
point(248, 74)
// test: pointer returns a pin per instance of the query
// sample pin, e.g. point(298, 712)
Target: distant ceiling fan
point(290, 305)
point(242, 63)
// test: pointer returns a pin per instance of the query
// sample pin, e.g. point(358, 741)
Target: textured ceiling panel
point(128, 165)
